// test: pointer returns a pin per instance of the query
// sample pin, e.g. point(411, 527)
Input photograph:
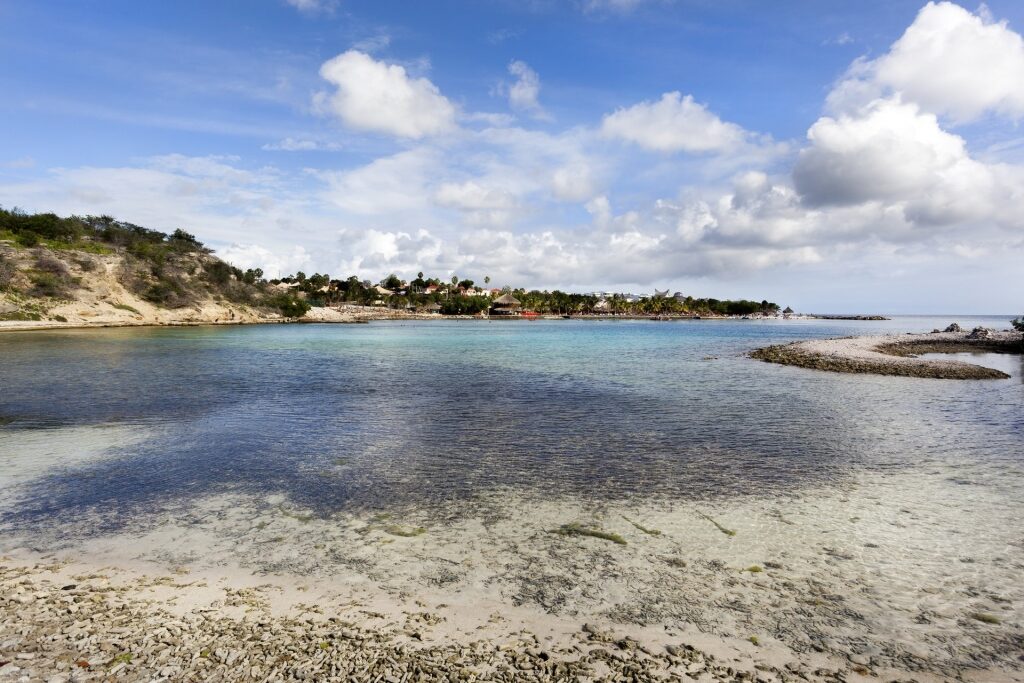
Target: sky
point(831, 155)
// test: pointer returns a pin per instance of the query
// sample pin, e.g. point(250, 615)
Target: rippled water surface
point(115, 422)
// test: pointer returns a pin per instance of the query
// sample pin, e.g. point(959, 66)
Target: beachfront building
point(431, 308)
point(506, 304)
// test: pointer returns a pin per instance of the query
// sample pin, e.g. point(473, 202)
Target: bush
point(48, 284)
point(28, 239)
point(218, 273)
point(86, 264)
point(47, 263)
point(169, 293)
point(290, 305)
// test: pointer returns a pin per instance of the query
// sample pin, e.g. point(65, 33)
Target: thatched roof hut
point(507, 300)
point(506, 304)
point(432, 308)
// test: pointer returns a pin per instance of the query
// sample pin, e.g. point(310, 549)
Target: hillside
point(99, 271)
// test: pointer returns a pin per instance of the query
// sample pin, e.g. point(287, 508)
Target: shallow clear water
point(433, 460)
point(117, 422)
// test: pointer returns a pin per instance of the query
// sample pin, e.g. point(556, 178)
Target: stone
point(954, 327)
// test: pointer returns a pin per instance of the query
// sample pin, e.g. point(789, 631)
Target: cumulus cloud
point(379, 252)
point(379, 97)
point(888, 151)
point(523, 94)
point(673, 124)
point(274, 262)
point(949, 62)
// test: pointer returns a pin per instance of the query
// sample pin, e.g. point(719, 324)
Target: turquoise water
point(117, 423)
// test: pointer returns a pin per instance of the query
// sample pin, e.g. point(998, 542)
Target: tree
point(252, 276)
point(1018, 324)
point(186, 237)
point(419, 275)
point(391, 282)
point(487, 279)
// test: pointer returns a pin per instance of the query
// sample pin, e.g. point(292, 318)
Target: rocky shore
point(897, 354)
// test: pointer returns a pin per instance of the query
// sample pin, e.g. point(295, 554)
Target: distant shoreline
point(355, 314)
point(895, 355)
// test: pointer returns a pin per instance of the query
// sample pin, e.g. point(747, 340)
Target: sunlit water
point(440, 456)
point(121, 421)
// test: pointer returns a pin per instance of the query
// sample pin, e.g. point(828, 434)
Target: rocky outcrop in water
point(896, 354)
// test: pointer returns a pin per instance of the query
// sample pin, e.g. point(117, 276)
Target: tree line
point(174, 269)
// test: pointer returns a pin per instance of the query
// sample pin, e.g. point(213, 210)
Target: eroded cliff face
point(43, 287)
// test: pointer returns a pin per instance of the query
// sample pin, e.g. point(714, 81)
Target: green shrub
point(48, 284)
point(290, 305)
point(28, 239)
point(19, 315)
point(218, 273)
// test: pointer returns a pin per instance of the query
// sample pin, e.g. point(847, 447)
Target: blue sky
point(830, 155)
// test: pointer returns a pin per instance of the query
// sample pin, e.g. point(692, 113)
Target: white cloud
point(573, 183)
point(374, 43)
point(673, 124)
point(386, 186)
point(375, 96)
point(888, 151)
point(474, 196)
point(274, 262)
point(376, 253)
point(523, 94)
point(313, 6)
point(300, 145)
point(949, 62)
point(481, 204)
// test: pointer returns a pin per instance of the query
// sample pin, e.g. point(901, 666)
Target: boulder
point(953, 328)
point(980, 333)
